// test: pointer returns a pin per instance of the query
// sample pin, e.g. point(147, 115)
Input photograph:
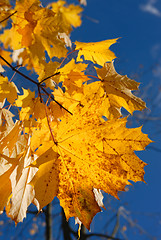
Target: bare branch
point(37, 83)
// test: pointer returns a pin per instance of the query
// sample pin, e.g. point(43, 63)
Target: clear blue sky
point(138, 23)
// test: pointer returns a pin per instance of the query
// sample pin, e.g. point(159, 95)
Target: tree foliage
point(69, 138)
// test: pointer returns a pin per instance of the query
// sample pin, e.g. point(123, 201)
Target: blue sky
point(138, 51)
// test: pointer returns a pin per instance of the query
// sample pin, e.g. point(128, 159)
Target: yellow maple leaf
point(8, 39)
point(95, 101)
point(5, 186)
point(49, 172)
point(47, 70)
point(31, 107)
point(73, 76)
point(9, 140)
point(105, 160)
point(5, 12)
point(26, 102)
point(118, 89)
point(68, 101)
point(6, 56)
point(22, 192)
point(7, 90)
point(97, 52)
point(70, 13)
point(6, 121)
point(35, 28)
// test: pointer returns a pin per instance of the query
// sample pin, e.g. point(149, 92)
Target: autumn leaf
point(6, 120)
point(11, 138)
point(38, 29)
point(7, 90)
point(105, 160)
point(68, 101)
point(118, 89)
point(70, 14)
point(6, 55)
point(5, 187)
point(49, 172)
point(97, 52)
point(73, 76)
point(22, 192)
point(31, 109)
point(5, 12)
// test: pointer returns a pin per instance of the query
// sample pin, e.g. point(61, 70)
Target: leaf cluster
point(69, 139)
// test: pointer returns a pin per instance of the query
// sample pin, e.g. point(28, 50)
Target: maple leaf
point(39, 29)
point(68, 101)
point(14, 176)
point(97, 52)
point(5, 12)
point(6, 55)
point(94, 101)
point(22, 192)
point(70, 14)
point(47, 70)
point(105, 160)
point(8, 162)
point(6, 121)
point(32, 110)
point(5, 187)
point(8, 141)
point(118, 89)
point(7, 90)
point(73, 76)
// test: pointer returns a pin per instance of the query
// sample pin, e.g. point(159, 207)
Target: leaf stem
point(49, 126)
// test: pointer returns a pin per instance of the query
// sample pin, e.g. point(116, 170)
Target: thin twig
point(20, 73)
point(49, 77)
point(8, 17)
point(49, 95)
point(66, 57)
point(117, 225)
point(37, 83)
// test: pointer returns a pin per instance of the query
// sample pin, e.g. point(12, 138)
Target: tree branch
point(20, 73)
point(116, 227)
point(37, 83)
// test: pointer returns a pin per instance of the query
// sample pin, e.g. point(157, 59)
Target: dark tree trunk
point(65, 227)
point(48, 216)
